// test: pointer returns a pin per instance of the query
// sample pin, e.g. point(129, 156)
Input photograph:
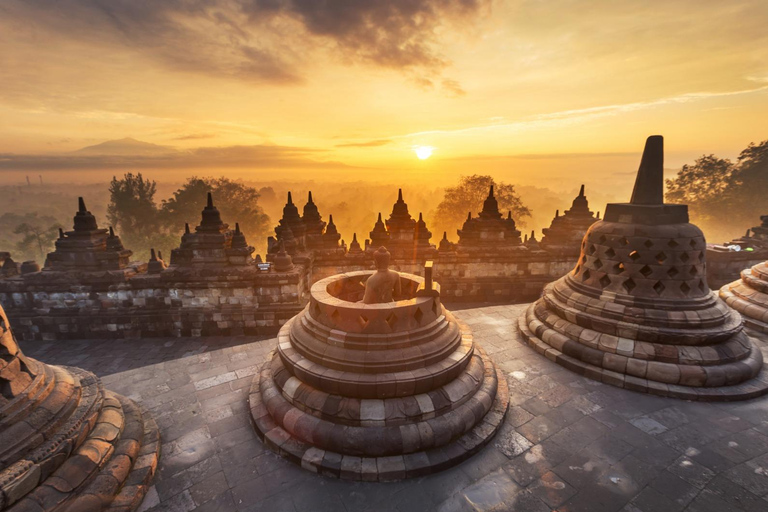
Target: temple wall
point(154, 305)
point(726, 267)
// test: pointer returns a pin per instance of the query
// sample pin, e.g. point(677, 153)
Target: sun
point(423, 152)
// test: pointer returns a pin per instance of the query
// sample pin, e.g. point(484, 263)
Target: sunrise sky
point(554, 90)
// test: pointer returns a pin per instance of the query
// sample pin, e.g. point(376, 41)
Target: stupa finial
point(81, 205)
point(210, 200)
point(581, 191)
point(649, 185)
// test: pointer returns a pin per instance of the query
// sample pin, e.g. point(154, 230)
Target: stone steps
point(102, 458)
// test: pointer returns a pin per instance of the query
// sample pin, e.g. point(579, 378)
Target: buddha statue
point(384, 284)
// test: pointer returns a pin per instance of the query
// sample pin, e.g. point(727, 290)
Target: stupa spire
point(649, 185)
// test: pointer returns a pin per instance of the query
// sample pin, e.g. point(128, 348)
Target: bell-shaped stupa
point(66, 443)
point(376, 380)
point(636, 311)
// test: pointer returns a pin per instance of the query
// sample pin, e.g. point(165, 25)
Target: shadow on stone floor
point(568, 443)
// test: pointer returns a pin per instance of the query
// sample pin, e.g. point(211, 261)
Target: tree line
point(724, 196)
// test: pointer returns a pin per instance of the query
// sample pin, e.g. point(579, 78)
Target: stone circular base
point(753, 388)
point(749, 296)
point(375, 469)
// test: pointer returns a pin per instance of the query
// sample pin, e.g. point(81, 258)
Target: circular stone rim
point(319, 293)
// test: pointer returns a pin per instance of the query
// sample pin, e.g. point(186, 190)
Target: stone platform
point(568, 443)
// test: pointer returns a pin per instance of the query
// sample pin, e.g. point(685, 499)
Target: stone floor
point(569, 444)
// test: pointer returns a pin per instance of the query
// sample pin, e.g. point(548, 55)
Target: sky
point(547, 93)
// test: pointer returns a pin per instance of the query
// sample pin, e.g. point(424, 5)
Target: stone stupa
point(749, 296)
point(636, 311)
point(66, 443)
point(375, 380)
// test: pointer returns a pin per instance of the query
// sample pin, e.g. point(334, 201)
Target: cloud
point(255, 40)
point(255, 157)
point(392, 33)
point(368, 144)
point(195, 136)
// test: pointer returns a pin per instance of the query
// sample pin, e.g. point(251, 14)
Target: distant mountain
point(127, 147)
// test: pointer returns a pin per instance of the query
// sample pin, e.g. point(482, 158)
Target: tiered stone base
point(68, 445)
point(412, 433)
point(749, 296)
point(699, 354)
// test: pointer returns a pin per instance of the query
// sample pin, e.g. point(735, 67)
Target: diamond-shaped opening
point(591, 250)
point(694, 271)
point(702, 286)
point(623, 241)
point(335, 315)
point(629, 285)
point(605, 281)
point(598, 263)
point(610, 252)
point(434, 307)
point(701, 257)
point(692, 243)
point(646, 271)
point(685, 288)
point(418, 315)
point(684, 257)
point(602, 239)
point(391, 321)
point(619, 267)
point(585, 275)
point(661, 257)
point(576, 270)
point(363, 321)
point(659, 287)
point(673, 243)
point(315, 309)
point(634, 255)
point(648, 243)
point(673, 272)
point(583, 260)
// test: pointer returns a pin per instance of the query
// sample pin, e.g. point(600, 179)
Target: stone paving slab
point(568, 443)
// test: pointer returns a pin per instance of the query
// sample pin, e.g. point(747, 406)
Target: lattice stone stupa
point(377, 391)
point(636, 311)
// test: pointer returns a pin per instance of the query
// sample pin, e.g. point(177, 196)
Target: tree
point(724, 198)
point(38, 236)
point(469, 195)
point(135, 216)
point(704, 181)
point(236, 202)
point(748, 185)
